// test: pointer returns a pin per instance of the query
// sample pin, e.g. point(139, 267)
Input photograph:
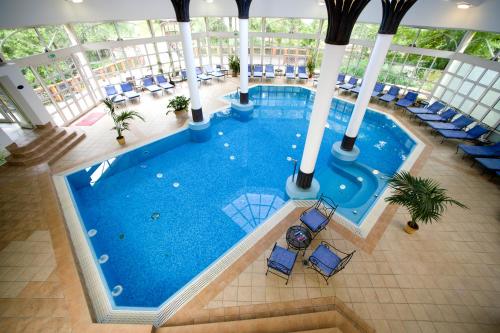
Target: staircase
point(321, 315)
point(48, 145)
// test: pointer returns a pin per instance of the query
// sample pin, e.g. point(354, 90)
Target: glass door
point(10, 112)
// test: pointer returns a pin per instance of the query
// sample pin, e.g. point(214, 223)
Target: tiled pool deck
point(444, 278)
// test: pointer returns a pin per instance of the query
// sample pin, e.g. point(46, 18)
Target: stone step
point(24, 144)
point(35, 149)
point(321, 330)
point(67, 147)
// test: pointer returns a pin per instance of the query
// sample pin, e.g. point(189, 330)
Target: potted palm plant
point(178, 105)
point(121, 119)
point(234, 64)
point(311, 65)
point(425, 200)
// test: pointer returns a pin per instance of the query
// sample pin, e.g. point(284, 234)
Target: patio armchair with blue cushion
point(257, 71)
point(215, 73)
point(113, 94)
point(281, 262)
point(317, 217)
point(408, 100)
point(269, 72)
point(429, 109)
point(353, 82)
point(163, 82)
point(455, 125)
point(327, 262)
point(290, 72)
point(473, 133)
point(302, 73)
point(129, 92)
point(440, 117)
point(480, 151)
point(202, 76)
point(377, 90)
point(340, 79)
point(391, 95)
point(150, 85)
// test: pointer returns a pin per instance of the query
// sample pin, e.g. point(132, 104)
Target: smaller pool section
point(158, 216)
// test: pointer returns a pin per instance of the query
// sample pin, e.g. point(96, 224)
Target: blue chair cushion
point(282, 260)
point(404, 102)
point(313, 219)
point(324, 259)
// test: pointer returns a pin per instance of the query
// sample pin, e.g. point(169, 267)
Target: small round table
point(298, 238)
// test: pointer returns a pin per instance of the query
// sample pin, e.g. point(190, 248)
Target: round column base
point(200, 131)
point(242, 111)
point(342, 155)
point(298, 193)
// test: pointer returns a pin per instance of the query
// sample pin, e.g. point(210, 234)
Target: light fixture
point(321, 2)
point(75, 1)
point(209, 1)
point(463, 5)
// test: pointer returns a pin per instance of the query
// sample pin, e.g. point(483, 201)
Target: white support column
point(243, 61)
point(376, 62)
point(187, 47)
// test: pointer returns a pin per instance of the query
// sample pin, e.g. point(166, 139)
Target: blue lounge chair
point(281, 261)
point(340, 79)
point(408, 100)
point(455, 125)
point(490, 164)
point(269, 72)
point(353, 82)
point(377, 90)
point(429, 109)
point(215, 73)
point(150, 85)
point(290, 72)
point(163, 82)
point(480, 151)
point(202, 76)
point(471, 134)
point(442, 117)
point(113, 95)
point(317, 217)
point(302, 73)
point(184, 76)
point(257, 71)
point(129, 92)
point(391, 95)
point(326, 262)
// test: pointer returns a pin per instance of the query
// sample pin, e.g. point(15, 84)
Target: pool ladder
point(294, 161)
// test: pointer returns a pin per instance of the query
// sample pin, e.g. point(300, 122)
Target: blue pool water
point(164, 212)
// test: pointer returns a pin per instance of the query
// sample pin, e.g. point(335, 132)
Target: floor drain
point(298, 135)
point(92, 232)
point(103, 259)
point(159, 175)
point(220, 133)
point(117, 290)
point(232, 158)
point(226, 145)
point(288, 158)
point(342, 187)
point(176, 184)
point(155, 216)
point(294, 146)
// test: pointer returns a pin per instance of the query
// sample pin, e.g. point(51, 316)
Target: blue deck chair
point(269, 72)
point(202, 76)
point(281, 262)
point(150, 85)
point(113, 95)
point(471, 134)
point(302, 73)
point(408, 100)
point(377, 90)
point(480, 151)
point(257, 71)
point(391, 95)
point(317, 217)
point(353, 82)
point(490, 164)
point(290, 72)
point(163, 82)
point(129, 92)
point(429, 109)
point(442, 117)
point(340, 79)
point(326, 262)
point(215, 73)
point(184, 76)
point(455, 125)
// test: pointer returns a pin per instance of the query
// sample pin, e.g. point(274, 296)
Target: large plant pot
point(180, 113)
point(410, 228)
point(234, 74)
point(121, 140)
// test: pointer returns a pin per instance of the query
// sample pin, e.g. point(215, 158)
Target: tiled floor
point(446, 277)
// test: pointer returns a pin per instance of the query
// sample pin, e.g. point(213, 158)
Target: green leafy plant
point(178, 103)
point(425, 200)
point(311, 65)
point(234, 64)
point(3, 157)
point(121, 119)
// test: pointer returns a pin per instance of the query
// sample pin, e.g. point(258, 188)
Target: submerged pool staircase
point(46, 145)
point(317, 315)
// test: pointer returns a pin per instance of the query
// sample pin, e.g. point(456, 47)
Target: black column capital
point(347, 143)
point(197, 115)
point(342, 14)
point(181, 8)
point(304, 180)
point(393, 12)
point(243, 8)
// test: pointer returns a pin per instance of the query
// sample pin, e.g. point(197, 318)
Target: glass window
point(439, 39)
point(492, 118)
point(484, 45)
point(55, 37)
point(405, 36)
point(488, 77)
point(133, 29)
point(255, 24)
point(20, 43)
point(165, 27)
point(476, 73)
point(467, 106)
point(364, 31)
point(198, 24)
point(95, 32)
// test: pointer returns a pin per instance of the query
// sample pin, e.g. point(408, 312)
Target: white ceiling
point(425, 13)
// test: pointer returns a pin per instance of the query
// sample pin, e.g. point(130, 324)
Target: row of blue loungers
point(125, 91)
point(261, 72)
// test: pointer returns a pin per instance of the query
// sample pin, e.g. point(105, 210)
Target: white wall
point(426, 13)
point(4, 140)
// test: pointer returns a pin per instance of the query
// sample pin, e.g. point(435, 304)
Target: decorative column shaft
point(181, 8)
point(342, 14)
point(393, 13)
point(243, 14)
